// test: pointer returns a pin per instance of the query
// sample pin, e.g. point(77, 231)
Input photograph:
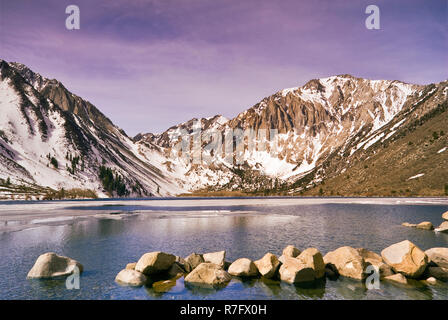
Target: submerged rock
point(208, 275)
point(406, 258)
point(431, 281)
point(347, 262)
point(154, 262)
point(131, 278)
point(438, 256)
point(291, 251)
point(397, 278)
point(243, 267)
point(443, 227)
point(165, 285)
point(407, 224)
point(215, 257)
point(294, 270)
point(50, 265)
point(313, 259)
point(426, 225)
point(268, 265)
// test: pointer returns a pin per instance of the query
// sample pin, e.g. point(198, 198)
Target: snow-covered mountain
point(51, 138)
point(335, 117)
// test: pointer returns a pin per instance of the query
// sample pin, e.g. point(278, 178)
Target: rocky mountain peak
point(54, 138)
point(314, 85)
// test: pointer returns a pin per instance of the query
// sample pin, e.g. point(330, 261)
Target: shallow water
point(119, 233)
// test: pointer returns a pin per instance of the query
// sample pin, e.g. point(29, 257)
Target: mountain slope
point(53, 138)
point(323, 128)
point(339, 135)
point(408, 157)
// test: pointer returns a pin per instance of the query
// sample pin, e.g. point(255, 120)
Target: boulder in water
point(51, 265)
point(405, 258)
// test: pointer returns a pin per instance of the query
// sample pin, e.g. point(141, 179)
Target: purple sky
point(151, 64)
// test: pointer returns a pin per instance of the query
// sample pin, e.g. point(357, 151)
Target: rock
point(215, 257)
point(154, 262)
point(243, 267)
point(385, 269)
point(443, 227)
point(295, 271)
point(131, 278)
point(175, 270)
point(347, 261)
point(438, 273)
point(431, 281)
point(291, 251)
point(398, 278)
point(164, 285)
point(282, 259)
point(268, 265)
point(406, 258)
point(183, 263)
point(407, 224)
point(438, 256)
point(209, 275)
point(50, 265)
point(370, 256)
point(445, 216)
point(330, 273)
point(426, 225)
point(227, 265)
point(313, 259)
point(377, 261)
point(193, 260)
point(131, 266)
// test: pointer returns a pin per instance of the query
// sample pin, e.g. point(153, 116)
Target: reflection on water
point(105, 246)
point(173, 286)
point(270, 287)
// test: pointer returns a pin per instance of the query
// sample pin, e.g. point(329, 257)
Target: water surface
point(105, 236)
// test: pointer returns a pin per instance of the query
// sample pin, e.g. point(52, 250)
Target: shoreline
point(19, 216)
point(191, 198)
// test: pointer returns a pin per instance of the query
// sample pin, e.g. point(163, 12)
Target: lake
point(105, 235)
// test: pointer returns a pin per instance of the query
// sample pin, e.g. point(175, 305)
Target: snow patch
point(416, 176)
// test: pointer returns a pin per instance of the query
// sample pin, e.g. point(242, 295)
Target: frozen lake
point(105, 235)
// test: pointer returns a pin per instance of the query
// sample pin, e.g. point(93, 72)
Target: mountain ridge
point(81, 138)
point(322, 127)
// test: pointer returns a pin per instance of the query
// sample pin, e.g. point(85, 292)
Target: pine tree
point(54, 162)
